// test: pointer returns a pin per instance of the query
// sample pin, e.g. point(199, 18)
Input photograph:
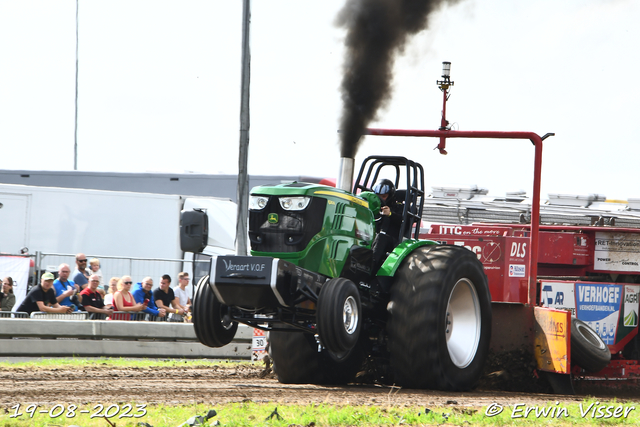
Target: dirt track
point(204, 384)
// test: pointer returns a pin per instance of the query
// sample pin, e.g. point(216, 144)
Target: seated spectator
point(80, 275)
point(8, 298)
point(65, 289)
point(123, 300)
point(92, 300)
point(94, 268)
point(143, 293)
point(165, 298)
point(181, 292)
point(42, 297)
point(113, 287)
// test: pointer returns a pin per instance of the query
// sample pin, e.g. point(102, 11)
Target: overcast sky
point(159, 89)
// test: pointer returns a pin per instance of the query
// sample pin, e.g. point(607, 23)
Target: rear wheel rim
point(350, 315)
point(463, 323)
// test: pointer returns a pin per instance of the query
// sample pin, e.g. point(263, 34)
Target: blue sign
point(598, 304)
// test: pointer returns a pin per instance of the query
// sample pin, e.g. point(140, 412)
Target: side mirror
point(194, 231)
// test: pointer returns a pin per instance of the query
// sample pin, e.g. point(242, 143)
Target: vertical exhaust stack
point(377, 31)
point(345, 176)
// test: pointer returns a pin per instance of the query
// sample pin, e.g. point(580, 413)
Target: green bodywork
point(348, 221)
point(396, 257)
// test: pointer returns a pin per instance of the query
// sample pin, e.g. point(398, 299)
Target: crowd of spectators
point(84, 291)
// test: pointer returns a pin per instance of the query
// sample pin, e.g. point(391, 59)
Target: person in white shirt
point(113, 287)
point(181, 293)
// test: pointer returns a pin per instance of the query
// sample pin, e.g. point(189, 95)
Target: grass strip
point(589, 412)
point(272, 414)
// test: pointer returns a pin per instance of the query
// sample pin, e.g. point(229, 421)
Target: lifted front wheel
point(211, 328)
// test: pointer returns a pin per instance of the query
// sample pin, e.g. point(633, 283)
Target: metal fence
point(83, 315)
point(135, 316)
point(13, 315)
point(137, 268)
point(111, 266)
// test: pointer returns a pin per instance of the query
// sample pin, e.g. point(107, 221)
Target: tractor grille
point(293, 230)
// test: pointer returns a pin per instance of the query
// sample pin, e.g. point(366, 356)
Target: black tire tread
point(206, 317)
point(419, 357)
point(296, 360)
point(329, 314)
point(584, 353)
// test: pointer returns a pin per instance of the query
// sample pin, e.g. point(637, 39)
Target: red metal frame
point(537, 176)
point(618, 368)
point(620, 373)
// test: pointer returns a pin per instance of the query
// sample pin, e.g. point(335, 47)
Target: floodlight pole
point(75, 130)
point(242, 194)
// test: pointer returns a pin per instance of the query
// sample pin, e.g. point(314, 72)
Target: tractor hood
point(302, 189)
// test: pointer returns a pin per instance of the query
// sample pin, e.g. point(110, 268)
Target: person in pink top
point(124, 301)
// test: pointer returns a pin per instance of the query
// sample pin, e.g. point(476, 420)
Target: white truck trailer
point(98, 223)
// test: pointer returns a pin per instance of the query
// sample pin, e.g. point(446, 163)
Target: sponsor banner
point(231, 268)
point(598, 304)
point(558, 295)
point(518, 250)
point(18, 269)
point(488, 251)
point(517, 270)
point(552, 339)
point(628, 321)
point(630, 307)
point(491, 252)
point(467, 230)
point(617, 252)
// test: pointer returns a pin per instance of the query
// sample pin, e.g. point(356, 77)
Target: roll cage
point(412, 192)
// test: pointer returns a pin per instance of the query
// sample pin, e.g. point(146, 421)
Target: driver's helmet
point(385, 186)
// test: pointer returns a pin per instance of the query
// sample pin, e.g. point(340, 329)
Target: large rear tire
point(440, 321)
point(296, 360)
point(208, 323)
point(339, 315)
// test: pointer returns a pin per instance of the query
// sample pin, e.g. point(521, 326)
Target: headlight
point(257, 203)
point(294, 203)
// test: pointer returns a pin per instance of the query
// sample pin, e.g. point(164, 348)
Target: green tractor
point(422, 319)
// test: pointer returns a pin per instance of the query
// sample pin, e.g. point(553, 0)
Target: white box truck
point(53, 220)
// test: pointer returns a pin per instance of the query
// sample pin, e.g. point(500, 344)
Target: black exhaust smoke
point(377, 30)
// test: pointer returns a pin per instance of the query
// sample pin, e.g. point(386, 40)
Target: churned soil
point(103, 384)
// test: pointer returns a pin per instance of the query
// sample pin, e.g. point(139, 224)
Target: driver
point(389, 223)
